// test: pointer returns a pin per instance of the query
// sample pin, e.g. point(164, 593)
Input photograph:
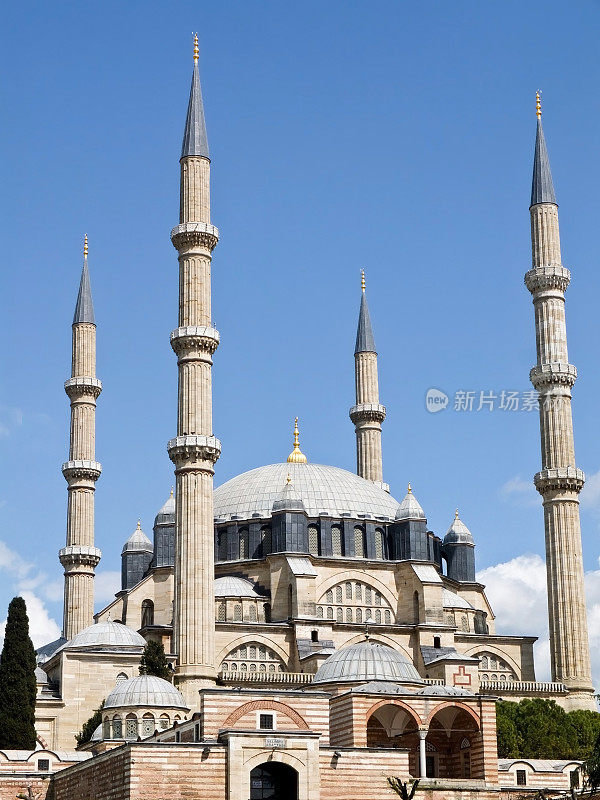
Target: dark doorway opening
point(273, 781)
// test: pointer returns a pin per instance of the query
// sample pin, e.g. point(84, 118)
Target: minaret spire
point(368, 414)
point(80, 557)
point(194, 450)
point(559, 482)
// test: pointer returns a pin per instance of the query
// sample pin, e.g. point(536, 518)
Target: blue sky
point(392, 136)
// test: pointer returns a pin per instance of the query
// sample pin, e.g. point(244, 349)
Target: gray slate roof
point(365, 341)
point(195, 141)
point(542, 188)
point(432, 654)
point(84, 310)
point(367, 661)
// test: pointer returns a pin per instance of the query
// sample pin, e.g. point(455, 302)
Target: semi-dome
point(146, 691)
point(232, 586)
point(322, 489)
point(107, 634)
point(367, 661)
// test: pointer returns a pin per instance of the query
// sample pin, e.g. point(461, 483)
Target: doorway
point(273, 781)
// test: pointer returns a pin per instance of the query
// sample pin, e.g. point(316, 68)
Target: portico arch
point(391, 724)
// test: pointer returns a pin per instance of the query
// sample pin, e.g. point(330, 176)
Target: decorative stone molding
point(75, 387)
point(552, 374)
point(78, 555)
point(570, 478)
point(367, 412)
point(191, 337)
point(90, 470)
point(195, 234)
point(540, 279)
point(185, 451)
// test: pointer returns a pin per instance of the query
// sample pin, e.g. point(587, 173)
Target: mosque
point(321, 636)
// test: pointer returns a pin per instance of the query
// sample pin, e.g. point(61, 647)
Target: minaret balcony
point(193, 235)
point(550, 278)
point(190, 338)
point(82, 469)
point(189, 452)
point(82, 386)
point(554, 373)
point(559, 478)
point(367, 412)
point(76, 555)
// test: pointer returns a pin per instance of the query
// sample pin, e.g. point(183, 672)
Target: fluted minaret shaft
point(80, 557)
point(559, 481)
point(195, 450)
point(368, 414)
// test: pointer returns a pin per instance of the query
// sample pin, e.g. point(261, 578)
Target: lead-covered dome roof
point(367, 661)
point(232, 586)
point(146, 691)
point(322, 489)
point(107, 635)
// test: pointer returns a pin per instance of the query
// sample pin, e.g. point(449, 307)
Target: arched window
point(330, 613)
point(252, 613)
point(117, 727)
point(340, 614)
point(368, 595)
point(147, 613)
point(359, 591)
point(222, 614)
point(313, 540)
point(320, 612)
point(148, 726)
point(106, 728)
point(244, 543)
point(379, 548)
point(336, 540)
point(348, 590)
point(131, 726)
point(265, 541)
point(237, 612)
point(359, 549)
point(348, 615)
point(388, 617)
point(267, 612)
point(338, 594)
point(164, 722)
point(359, 614)
point(252, 651)
point(122, 676)
point(378, 617)
point(329, 596)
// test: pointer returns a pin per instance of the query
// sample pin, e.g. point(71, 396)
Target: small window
point(437, 642)
point(43, 765)
point(521, 777)
point(265, 722)
point(314, 635)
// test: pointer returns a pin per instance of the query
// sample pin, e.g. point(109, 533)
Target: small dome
point(367, 661)
point(288, 499)
point(410, 507)
point(107, 635)
point(231, 586)
point(97, 734)
point(166, 515)
point(147, 691)
point(453, 600)
point(458, 533)
point(138, 542)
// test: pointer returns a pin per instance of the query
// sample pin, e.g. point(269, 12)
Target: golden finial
point(171, 491)
point(139, 525)
point(538, 104)
point(288, 480)
point(85, 246)
point(409, 489)
point(296, 456)
point(363, 283)
point(456, 513)
point(196, 48)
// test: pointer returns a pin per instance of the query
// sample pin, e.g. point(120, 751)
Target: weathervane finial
point(538, 104)
point(363, 283)
point(85, 246)
point(196, 48)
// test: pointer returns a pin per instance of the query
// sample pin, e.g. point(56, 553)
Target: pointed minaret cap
point(288, 499)
point(296, 456)
point(542, 188)
point(195, 141)
point(138, 541)
point(365, 341)
point(166, 514)
point(84, 309)
point(458, 533)
point(410, 508)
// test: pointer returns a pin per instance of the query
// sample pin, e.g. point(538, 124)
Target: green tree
point(154, 662)
point(17, 681)
point(90, 726)
point(592, 767)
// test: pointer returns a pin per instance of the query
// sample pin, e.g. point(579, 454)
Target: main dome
point(367, 661)
point(323, 490)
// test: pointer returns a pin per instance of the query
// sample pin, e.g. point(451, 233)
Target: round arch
point(394, 702)
point(269, 705)
point(250, 638)
point(357, 575)
point(490, 648)
point(457, 705)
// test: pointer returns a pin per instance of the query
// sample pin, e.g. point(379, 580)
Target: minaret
point(195, 450)
point(368, 414)
point(80, 558)
point(559, 481)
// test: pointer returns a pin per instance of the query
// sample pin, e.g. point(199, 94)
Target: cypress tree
point(17, 681)
point(154, 662)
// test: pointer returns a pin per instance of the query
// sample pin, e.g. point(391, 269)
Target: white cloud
point(12, 562)
point(517, 592)
point(42, 628)
point(519, 491)
point(106, 584)
point(10, 418)
point(590, 494)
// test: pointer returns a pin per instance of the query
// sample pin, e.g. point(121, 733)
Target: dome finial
point(139, 525)
point(538, 104)
point(296, 456)
point(363, 283)
point(409, 489)
point(85, 246)
point(456, 513)
point(171, 495)
point(196, 48)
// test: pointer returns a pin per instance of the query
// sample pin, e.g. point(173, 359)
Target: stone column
point(80, 557)
point(560, 481)
point(422, 753)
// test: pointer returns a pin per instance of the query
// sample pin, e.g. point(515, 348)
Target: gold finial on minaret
point(171, 491)
point(196, 48)
point(85, 246)
point(139, 525)
point(288, 480)
point(409, 489)
point(296, 456)
point(363, 283)
point(456, 513)
point(538, 104)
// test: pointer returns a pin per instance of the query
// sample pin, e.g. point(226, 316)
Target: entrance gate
point(273, 781)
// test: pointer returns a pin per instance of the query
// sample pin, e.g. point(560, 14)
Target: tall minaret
point(195, 450)
point(80, 558)
point(559, 481)
point(368, 414)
